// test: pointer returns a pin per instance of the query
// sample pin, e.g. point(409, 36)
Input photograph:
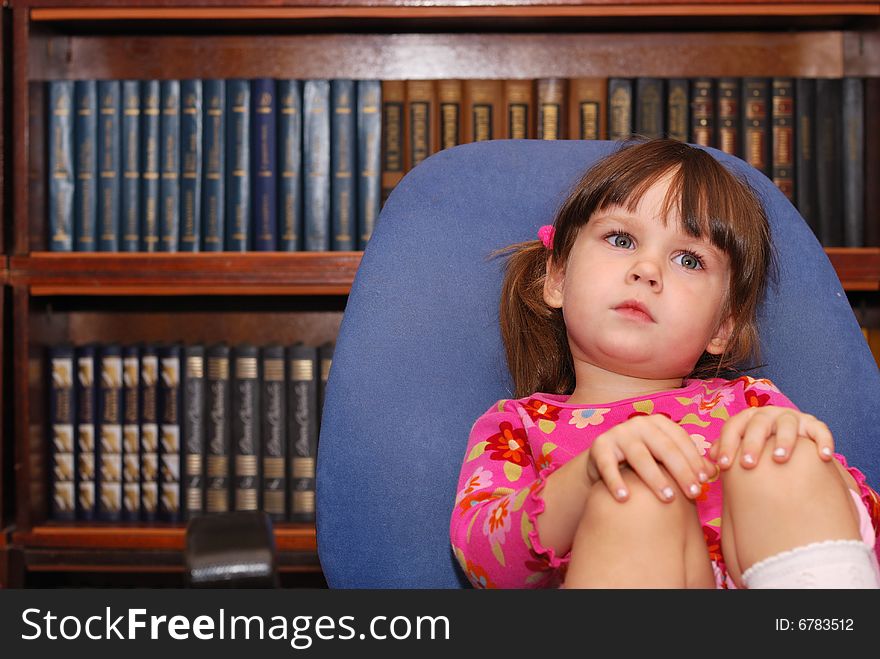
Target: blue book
point(109, 393)
point(213, 165)
point(60, 165)
point(169, 432)
point(369, 128)
point(316, 153)
point(343, 151)
point(238, 181)
point(193, 426)
point(169, 157)
point(62, 424)
point(84, 386)
point(191, 165)
point(109, 163)
point(130, 207)
point(289, 128)
point(149, 386)
point(150, 110)
point(85, 204)
point(263, 162)
point(131, 433)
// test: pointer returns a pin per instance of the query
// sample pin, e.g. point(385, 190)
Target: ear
point(553, 284)
point(718, 343)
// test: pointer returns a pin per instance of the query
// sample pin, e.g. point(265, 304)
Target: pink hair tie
point(546, 233)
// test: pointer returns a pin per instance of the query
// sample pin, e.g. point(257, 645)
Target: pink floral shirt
point(517, 443)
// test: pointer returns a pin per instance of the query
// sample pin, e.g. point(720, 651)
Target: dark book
point(678, 116)
point(483, 116)
point(872, 167)
point(587, 114)
point(274, 431)
point(519, 109)
point(829, 165)
point(238, 165)
point(302, 407)
point(193, 422)
point(62, 425)
point(756, 123)
point(782, 142)
point(420, 121)
point(130, 194)
point(343, 165)
point(60, 165)
point(393, 100)
point(853, 160)
point(369, 158)
point(109, 163)
point(213, 165)
point(316, 160)
point(150, 120)
point(169, 157)
point(85, 397)
point(217, 430)
point(191, 140)
point(650, 106)
point(620, 108)
point(729, 92)
point(149, 384)
point(109, 409)
point(551, 109)
point(131, 433)
point(289, 129)
point(703, 111)
point(246, 427)
point(805, 152)
point(263, 165)
point(169, 432)
point(449, 98)
point(85, 194)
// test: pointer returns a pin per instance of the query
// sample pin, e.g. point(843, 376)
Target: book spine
point(393, 167)
point(325, 359)
point(238, 174)
point(149, 385)
point(274, 419)
point(191, 140)
point(853, 157)
point(729, 117)
point(316, 154)
point(60, 165)
point(369, 158)
point(85, 433)
point(483, 116)
point(194, 431)
point(782, 144)
point(129, 204)
point(419, 121)
point(109, 163)
point(290, 126)
point(217, 430)
point(131, 433)
point(587, 117)
point(85, 212)
point(678, 118)
point(246, 427)
point(110, 433)
point(449, 96)
point(755, 123)
point(62, 423)
point(263, 165)
point(551, 101)
point(872, 167)
point(620, 108)
point(703, 111)
point(302, 392)
point(343, 145)
point(805, 152)
point(650, 106)
point(150, 120)
point(829, 168)
point(519, 109)
point(214, 166)
point(169, 154)
point(169, 433)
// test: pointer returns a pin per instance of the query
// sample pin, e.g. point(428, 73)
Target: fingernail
point(621, 493)
point(668, 493)
point(724, 460)
point(703, 477)
point(748, 459)
point(826, 451)
point(779, 453)
point(695, 489)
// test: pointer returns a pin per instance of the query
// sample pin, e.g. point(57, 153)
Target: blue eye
point(620, 239)
point(690, 261)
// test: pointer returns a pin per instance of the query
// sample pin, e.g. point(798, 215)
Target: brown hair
point(710, 201)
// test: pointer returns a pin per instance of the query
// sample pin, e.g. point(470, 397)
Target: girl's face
point(640, 297)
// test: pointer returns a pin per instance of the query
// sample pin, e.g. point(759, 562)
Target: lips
point(635, 310)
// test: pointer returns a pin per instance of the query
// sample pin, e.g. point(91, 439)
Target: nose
point(646, 271)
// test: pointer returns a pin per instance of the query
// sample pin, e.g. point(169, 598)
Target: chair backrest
point(419, 354)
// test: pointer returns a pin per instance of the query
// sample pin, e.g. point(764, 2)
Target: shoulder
point(746, 391)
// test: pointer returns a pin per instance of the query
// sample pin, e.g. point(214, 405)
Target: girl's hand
point(642, 442)
point(749, 430)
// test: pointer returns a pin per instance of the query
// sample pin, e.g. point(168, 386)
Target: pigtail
point(533, 333)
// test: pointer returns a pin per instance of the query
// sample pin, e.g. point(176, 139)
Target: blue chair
point(419, 354)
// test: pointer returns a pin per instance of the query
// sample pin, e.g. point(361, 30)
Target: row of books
point(808, 135)
point(212, 165)
point(168, 432)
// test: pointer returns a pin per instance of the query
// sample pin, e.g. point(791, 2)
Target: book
point(782, 142)
point(678, 119)
point(85, 128)
point(316, 160)
point(483, 115)
point(393, 100)
point(109, 415)
point(853, 161)
point(729, 92)
point(169, 168)
point(213, 165)
point(449, 97)
point(109, 164)
point(169, 405)
point(131, 433)
point(551, 109)
point(193, 427)
point(872, 167)
point(289, 131)
point(273, 414)
point(650, 104)
point(60, 165)
point(217, 429)
point(343, 165)
point(62, 424)
point(85, 397)
point(150, 111)
point(519, 109)
point(302, 405)
point(703, 111)
point(191, 140)
point(420, 122)
point(805, 152)
point(149, 388)
point(325, 362)
point(238, 166)
point(756, 123)
point(587, 113)
point(246, 427)
point(829, 165)
point(130, 197)
point(369, 158)
point(264, 157)
point(620, 108)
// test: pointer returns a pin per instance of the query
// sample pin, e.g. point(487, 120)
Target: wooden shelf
point(264, 273)
point(857, 267)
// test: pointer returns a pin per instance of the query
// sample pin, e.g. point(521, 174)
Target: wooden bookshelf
point(263, 297)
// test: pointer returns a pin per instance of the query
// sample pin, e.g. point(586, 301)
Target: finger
point(642, 462)
point(602, 464)
point(672, 447)
point(731, 435)
point(819, 432)
point(785, 436)
point(756, 434)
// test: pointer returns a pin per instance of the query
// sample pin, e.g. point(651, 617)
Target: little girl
point(625, 461)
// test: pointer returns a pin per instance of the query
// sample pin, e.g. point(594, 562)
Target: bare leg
point(640, 543)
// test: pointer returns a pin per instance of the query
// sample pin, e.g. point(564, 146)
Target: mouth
point(635, 310)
